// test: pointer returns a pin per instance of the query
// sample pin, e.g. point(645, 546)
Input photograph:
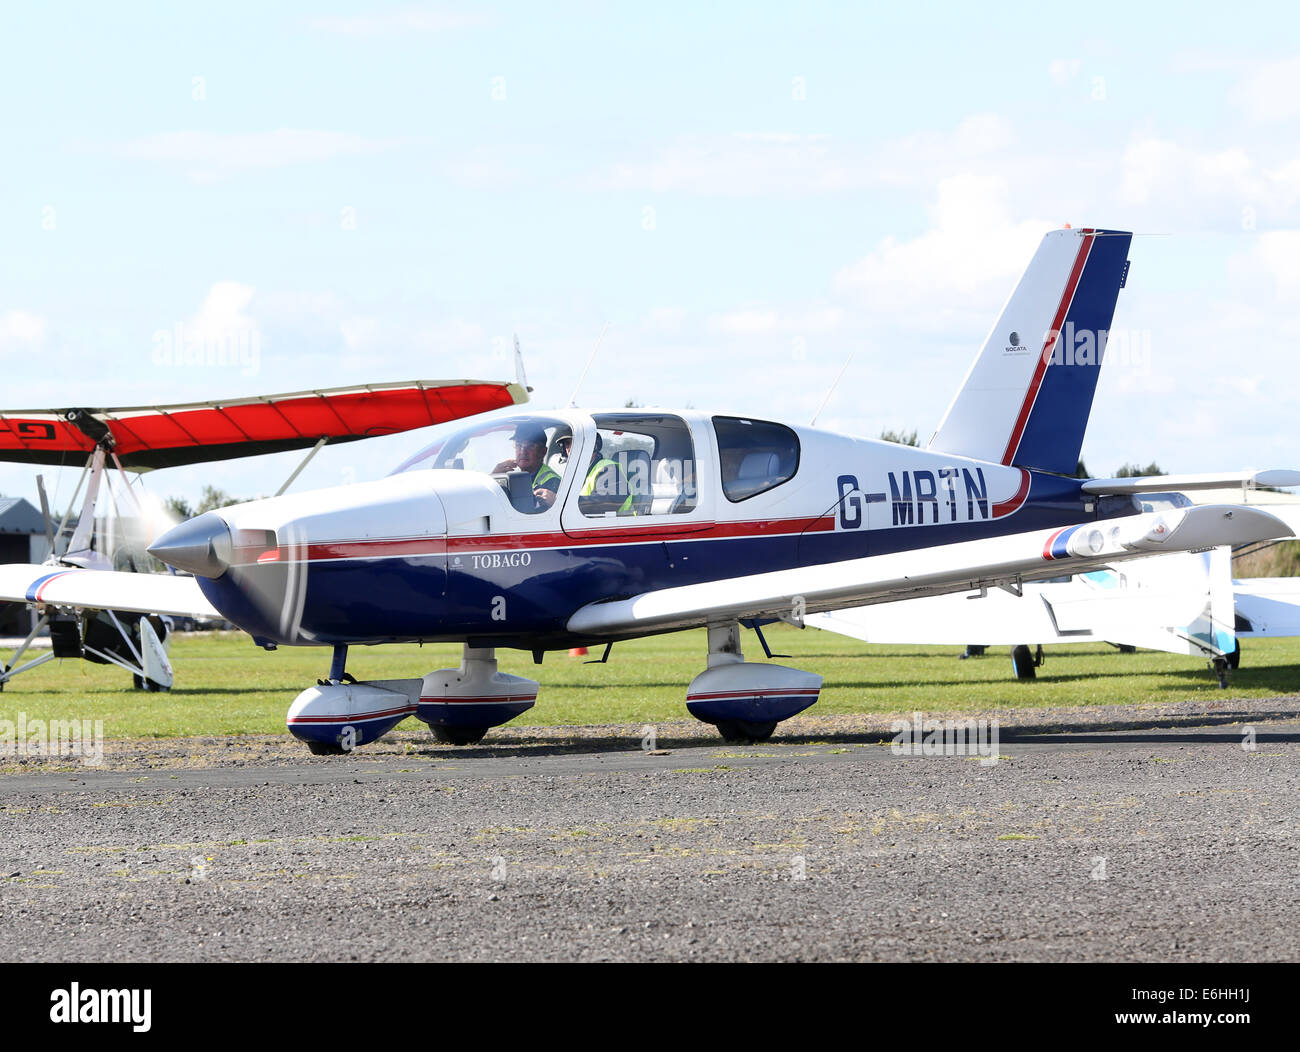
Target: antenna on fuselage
point(573, 398)
point(843, 369)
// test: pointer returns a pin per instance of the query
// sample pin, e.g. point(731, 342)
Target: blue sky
point(744, 193)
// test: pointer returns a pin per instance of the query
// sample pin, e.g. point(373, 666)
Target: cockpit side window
point(756, 455)
point(642, 464)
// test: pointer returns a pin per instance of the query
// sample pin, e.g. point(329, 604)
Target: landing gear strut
point(1220, 666)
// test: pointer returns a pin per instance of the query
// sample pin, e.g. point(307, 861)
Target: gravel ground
point(1110, 833)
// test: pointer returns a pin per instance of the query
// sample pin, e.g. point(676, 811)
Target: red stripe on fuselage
point(1017, 499)
point(1054, 334)
point(390, 548)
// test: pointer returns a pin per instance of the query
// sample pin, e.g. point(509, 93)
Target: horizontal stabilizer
point(1164, 483)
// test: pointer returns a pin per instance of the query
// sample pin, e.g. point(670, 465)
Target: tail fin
point(1027, 396)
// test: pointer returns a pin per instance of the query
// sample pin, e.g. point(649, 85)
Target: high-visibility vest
point(589, 486)
point(544, 474)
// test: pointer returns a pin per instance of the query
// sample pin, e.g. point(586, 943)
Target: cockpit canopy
point(635, 463)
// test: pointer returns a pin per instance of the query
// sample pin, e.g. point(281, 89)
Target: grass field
point(225, 685)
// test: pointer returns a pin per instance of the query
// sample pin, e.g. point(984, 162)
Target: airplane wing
point(145, 593)
point(966, 565)
point(149, 437)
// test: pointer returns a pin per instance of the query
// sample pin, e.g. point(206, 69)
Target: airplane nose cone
point(200, 546)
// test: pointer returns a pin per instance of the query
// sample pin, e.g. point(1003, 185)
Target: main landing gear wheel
point(326, 748)
point(746, 732)
point(1022, 661)
point(1233, 658)
point(148, 685)
point(459, 735)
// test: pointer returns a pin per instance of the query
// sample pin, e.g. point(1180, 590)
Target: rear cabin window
point(756, 455)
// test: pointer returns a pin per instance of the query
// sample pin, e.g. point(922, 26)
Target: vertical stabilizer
point(1027, 397)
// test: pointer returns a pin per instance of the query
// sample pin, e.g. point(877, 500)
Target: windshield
point(483, 446)
point(523, 453)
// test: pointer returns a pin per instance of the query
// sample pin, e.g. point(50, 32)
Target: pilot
point(606, 486)
point(530, 456)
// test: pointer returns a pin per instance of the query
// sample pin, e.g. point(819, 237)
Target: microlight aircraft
point(664, 520)
point(96, 611)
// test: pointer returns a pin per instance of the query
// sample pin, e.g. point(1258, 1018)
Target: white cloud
point(221, 336)
point(1158, 169)
point(966, 260)
point(411, 19)
point(20, 331)
point(1270, 92)
point(224, 309)
point(214, 155)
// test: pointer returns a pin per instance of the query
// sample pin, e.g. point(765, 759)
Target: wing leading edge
point(143, 593)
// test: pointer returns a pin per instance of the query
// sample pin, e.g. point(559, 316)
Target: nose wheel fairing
point(351, 714)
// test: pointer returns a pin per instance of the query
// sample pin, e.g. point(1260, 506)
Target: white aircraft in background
point(93, 609)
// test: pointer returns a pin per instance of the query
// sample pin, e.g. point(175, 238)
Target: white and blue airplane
point(571, 528)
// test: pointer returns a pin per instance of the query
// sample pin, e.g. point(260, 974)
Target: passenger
point(530, 456)
point(606, 487)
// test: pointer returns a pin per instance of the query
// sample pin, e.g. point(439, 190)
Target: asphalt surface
point(1100, 834)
